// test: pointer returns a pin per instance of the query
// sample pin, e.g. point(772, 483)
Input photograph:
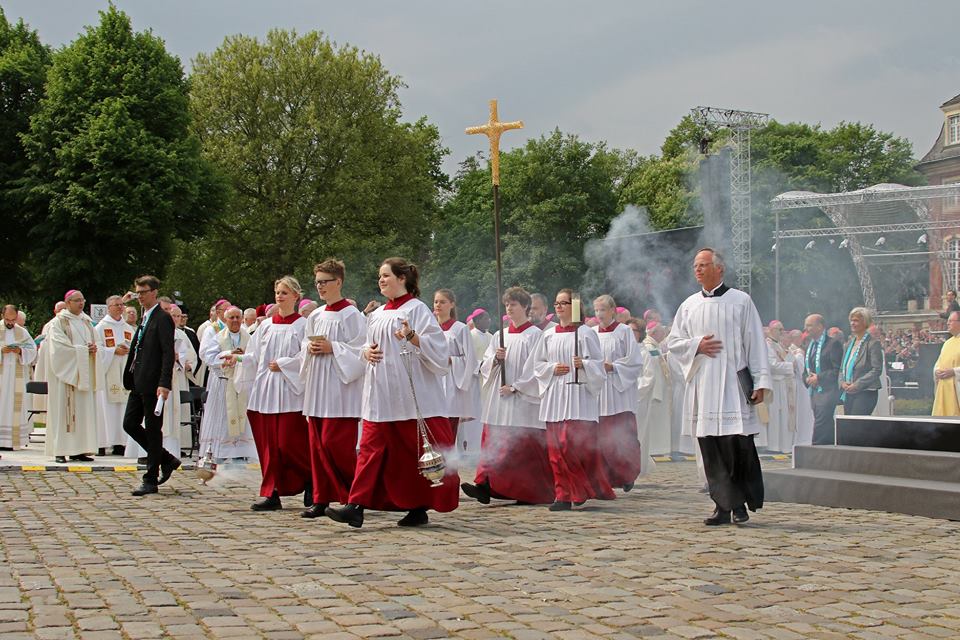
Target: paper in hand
point(158, 411)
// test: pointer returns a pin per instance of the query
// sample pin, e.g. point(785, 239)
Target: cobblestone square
point(84, 559)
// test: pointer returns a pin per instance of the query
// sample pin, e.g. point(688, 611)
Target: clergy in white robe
point(407, 357)
point(716, 334)
point(570, 386)
point(656, 393)
point(17, 353)
point(270, 373)
point(114, 336)
point(514, 463)
point(804, 432)
point(39, 401)
point(470, 433)
point(461, 384)
point(225, 429)
point(539, 315)
point(782, 409)
point(332, 373)
point(623, 363)
point(72, 383)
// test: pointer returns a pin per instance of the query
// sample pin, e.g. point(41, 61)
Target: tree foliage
point(115, 173)
point(23, 67)
point(319, 162)
point(556, 193)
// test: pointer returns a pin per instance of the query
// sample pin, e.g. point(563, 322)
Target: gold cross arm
point(492, 130)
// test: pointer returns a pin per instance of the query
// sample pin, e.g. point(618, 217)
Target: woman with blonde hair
point(270, 372)
point(861, 366)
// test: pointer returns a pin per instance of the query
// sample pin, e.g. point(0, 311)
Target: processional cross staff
point(493, 129)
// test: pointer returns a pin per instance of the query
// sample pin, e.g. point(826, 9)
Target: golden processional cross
point(493, 129)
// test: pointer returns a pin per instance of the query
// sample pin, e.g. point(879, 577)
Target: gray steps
point(929, 498)
point(911, 481)
point(943, 466)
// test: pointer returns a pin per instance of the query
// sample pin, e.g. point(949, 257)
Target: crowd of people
point(335, 402)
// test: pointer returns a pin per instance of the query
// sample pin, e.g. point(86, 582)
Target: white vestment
point(111, 396)
point(481, 340)
point(224, 429)
point(274, 391)
point(620, 393)
point(655, 400)
point(804, 433)
point(333, 383)
point(387, 396)
point(40, 372)
point(714, 403)
point(521, 408)
point(783, 404)
point(884, 405)
point(560, 401)
point(14, 376)
point(461, 384)
point(72, 379)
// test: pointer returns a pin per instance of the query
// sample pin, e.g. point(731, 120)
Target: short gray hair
point(717, 257)
point(606, 299)
point(864, 314)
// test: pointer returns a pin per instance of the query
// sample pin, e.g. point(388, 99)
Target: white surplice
point(560, 401)
point(461, 384)
point(782, 407)
point(521, 408)
point(656, 400)
point(804, 433)
point(111, 396)
point(72, 379)
point(226, 433)
point(620, 393)
point(714, 403)
point(14, 376)
point(387, 396)
point(481, 340)
point(333, 383)
point(274, 391)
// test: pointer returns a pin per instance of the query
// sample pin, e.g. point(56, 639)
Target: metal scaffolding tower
point(740, 124)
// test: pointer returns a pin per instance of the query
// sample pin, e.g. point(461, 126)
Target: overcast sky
point(624, 72)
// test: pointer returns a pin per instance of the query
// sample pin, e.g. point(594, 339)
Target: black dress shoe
point(142, 460)
point(271, 503)
point(580, 504)
point(351, 514)
point(118, 450)
point(414, 518)
point(313, 511)
point(479, 492)
point(308, 495)
point(560, 505)
point(102, 451)
point(740, 515)
point(627, 488)
point(60, 459)
point(82, 458)
point(167, 469)
point(144, 489)
point(720, 516)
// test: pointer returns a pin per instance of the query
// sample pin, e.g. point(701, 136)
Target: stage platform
point(899, 464)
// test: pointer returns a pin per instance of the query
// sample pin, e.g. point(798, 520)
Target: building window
point(952, 258)
point(953, 129)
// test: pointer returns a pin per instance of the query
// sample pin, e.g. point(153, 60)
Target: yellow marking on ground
point(79, 469)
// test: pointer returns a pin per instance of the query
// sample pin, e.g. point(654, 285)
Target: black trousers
point(140, 408)
point(861, 403)
point(824, 406)
point(733, 471)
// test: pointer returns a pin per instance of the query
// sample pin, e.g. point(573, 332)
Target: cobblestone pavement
point(81, 558)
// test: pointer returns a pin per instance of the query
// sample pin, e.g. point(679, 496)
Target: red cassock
point(388, 476)
point(283, 446)
point(333, 457)
point(620, 447)
point(515, 464)
point(578, 469)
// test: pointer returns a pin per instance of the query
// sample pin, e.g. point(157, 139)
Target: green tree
point(115, 172)
point(311, 139)
point(557, 192)
point(23, 67)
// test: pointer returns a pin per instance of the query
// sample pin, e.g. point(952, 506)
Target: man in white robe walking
point(718, 340)
point(17, 353)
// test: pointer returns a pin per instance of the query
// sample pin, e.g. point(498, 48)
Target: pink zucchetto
point(67, 295)
point(652, 325)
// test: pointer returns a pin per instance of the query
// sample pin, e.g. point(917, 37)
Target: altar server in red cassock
point(387, 476)
point(332, 374)
point(571, 410)
point(271, 372)
point(514, 464)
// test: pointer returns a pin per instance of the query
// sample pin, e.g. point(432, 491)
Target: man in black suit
point(148, 376)
point(824, 355)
